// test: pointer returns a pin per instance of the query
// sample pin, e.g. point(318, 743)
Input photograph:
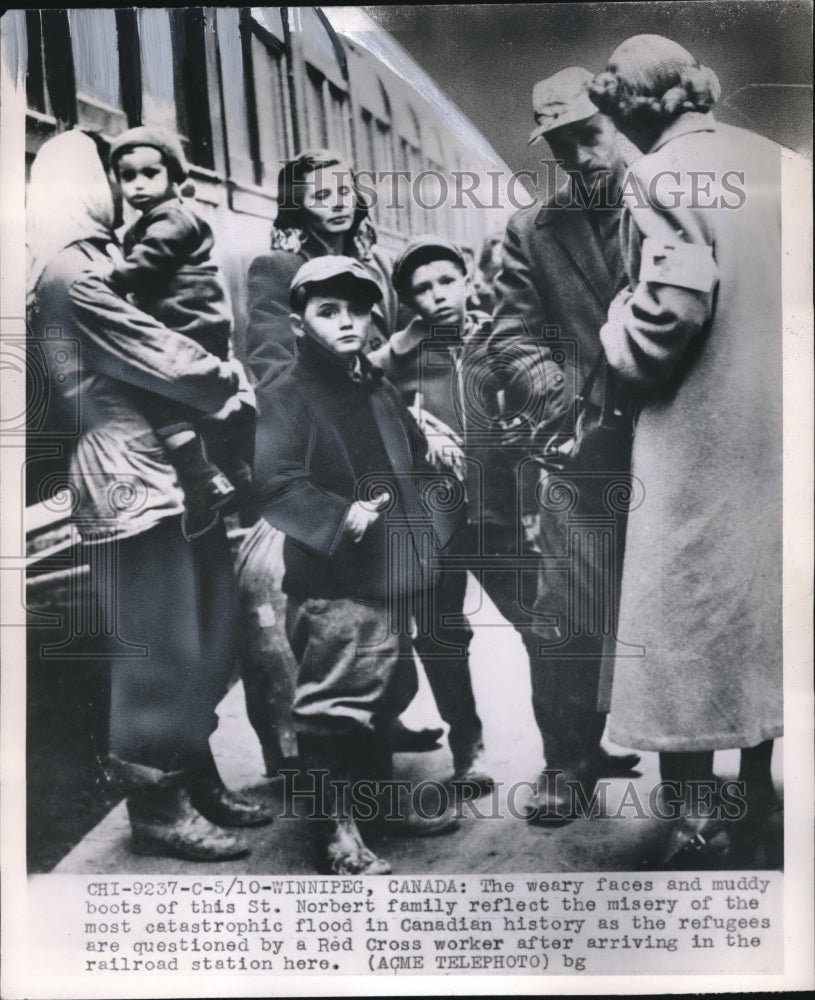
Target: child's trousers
point(356, 667)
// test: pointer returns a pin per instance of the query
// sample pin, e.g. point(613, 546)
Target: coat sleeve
point(163, 248)
point(670, 261)
point(124, 343)
point(530, 382)
point(288, 494)
point(269, 336)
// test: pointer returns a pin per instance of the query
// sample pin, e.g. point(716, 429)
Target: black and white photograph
point(406, 499)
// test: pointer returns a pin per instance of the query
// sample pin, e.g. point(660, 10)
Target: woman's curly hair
point(650, 81)
point(290, 187)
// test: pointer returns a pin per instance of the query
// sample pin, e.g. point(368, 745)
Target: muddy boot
point(164, 823)
point(219, 804)
point(206, 488)
point(338, 845)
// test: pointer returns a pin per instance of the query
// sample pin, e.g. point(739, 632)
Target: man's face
point(339, 324)
point(439, 292)
point(587, 148)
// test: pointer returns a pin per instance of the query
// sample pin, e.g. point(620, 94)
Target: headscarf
point(68, 199)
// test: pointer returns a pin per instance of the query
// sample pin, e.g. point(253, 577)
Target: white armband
point(684, 265)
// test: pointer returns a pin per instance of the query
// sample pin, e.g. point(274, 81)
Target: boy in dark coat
point(426, 362)
point(169, 273)
point(340, 469)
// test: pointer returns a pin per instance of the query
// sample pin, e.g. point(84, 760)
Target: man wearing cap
point(562, 266)
point(339, 468)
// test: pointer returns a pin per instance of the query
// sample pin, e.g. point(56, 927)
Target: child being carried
point(169, 273)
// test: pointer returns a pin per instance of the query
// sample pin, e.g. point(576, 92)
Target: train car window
point(95, 48)
point(318, 46)
point(127, 35)
point(317, 118)
point(434, 187)
point(158, 96)
point(328, 114)
point(36, 96)
point(409, 160)
point(58, 62)
point(274, 124)
point(375, 155)
point(270, 19)
point(234, 87)
point(187, 26)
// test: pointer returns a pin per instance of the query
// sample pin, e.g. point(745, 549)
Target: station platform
point(490, 839)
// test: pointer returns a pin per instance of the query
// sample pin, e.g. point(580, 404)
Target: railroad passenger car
point(247, 88)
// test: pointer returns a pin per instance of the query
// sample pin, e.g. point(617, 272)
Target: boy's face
point(143, 177)
point(339, 324)
point(439, 292)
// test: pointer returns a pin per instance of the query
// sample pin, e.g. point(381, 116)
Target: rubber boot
point(164, 822)
point(219, 804)
point(338, 845)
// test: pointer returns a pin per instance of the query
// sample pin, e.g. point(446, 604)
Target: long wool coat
point(698, 662)
point(562, 266)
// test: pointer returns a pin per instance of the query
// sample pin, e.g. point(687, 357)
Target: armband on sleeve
point(683, 265)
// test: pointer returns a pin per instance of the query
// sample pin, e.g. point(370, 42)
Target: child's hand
point(116, 256)
point(244, 395)
point(362, 514)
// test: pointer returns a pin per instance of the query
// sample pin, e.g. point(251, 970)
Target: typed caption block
point(710, 922)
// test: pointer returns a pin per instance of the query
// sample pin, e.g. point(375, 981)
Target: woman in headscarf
point(697, 336)
point(320, 210)
point(166, 606)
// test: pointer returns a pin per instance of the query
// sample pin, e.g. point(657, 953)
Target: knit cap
point(158, 138)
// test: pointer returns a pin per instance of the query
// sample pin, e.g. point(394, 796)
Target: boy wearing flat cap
point(339, 468)
point(169, 272)
point(562, 266)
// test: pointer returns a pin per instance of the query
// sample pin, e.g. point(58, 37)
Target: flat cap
point(561, 100)
point(419, 251)
point(331, 267)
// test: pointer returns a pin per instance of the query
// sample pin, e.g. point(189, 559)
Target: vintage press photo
point(406, 491)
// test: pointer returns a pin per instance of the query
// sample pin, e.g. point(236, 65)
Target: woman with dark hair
point(320, 210)
point(697, 337)
point(165, 606)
